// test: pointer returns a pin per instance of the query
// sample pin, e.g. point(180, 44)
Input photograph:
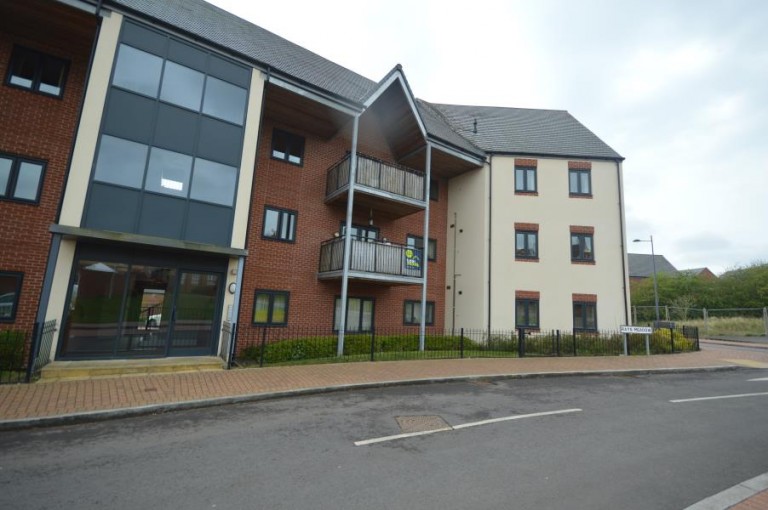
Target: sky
point(678, 88)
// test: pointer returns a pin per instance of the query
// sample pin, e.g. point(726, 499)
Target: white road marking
point(759, 379)
point(764, 394)
point(462, 426)
point(516, 417)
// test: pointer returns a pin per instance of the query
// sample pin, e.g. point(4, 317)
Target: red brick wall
point(38, 127)
point(293, 267)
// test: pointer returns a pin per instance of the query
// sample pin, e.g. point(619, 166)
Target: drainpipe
point(348, 237)
point(623, 248)
point(425, 251)
point(490, 234)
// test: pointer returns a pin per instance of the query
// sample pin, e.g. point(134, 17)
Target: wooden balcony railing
point(372, 173)
point(373, 257)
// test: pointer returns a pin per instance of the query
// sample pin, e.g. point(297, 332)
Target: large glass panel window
point(526, 245)
point(279, 224)
point(168, 172)
point(37, 71)
point(584, 316)
point(138, 71)
point(525, 180)
point(527, 313)
point(121, 162)
point(182, 86)
point(10, 289)
point(20, 179)
point(580, 182)
point(359, 314)
point(224, 100)
point(288, 147)
point(214, 182)
point(581, 248)
point(418, 243)
point(271, 308)
point(412, 313)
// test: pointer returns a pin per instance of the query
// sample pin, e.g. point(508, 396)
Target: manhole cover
point(421, 423)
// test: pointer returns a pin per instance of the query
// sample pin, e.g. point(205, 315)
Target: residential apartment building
point(207, 172)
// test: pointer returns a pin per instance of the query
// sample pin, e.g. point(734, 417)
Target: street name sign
point(640, 330)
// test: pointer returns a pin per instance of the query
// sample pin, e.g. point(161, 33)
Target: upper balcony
point(382, 262)
point(393, 189)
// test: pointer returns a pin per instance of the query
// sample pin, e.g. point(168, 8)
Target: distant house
point(641, 267)
point(699, 272)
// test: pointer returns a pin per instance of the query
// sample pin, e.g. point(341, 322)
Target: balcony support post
point(348, 237)
point(425, 250)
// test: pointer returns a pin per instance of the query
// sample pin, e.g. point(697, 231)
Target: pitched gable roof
point(641, 265)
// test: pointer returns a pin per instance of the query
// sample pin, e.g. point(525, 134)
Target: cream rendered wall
point(554, 276)
point(248, 160)
point(90, 120)
point(468, 200)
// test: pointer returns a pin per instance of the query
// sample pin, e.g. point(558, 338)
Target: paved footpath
point(52, 402)
point(49, 403)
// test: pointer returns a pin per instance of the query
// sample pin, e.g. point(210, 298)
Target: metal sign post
point(638, 330)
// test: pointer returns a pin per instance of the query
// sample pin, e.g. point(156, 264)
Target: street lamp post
point(655, 279)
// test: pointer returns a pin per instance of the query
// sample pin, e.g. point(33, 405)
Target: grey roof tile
point(509, 130)
point(526, 131)
point(641, 265)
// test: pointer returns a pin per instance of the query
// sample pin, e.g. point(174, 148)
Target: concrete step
point(59, 370)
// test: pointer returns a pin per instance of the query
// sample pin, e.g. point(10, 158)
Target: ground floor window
point(527, 313)
point(359, 314)
point(412, 313)
point(142, 304)
point(10, 288)
point(584, 316)
point(270, 308)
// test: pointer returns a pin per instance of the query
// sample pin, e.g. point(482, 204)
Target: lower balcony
point(375, 261)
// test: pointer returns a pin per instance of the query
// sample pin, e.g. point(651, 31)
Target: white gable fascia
point(398, 76)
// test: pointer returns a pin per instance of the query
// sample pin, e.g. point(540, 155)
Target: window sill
point(527, 193)
point(526, 259)
point(583, 262)
point(580, 195)
point(269, 325)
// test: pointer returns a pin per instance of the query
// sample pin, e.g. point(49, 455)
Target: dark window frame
point(366, 228)
point(520, 253)
point(434, 189)
point(528, 303)
point(19, 276)
point(580, 192)
point(526, 170)
point(42, 58)
point(280, 220)
point(337, 301)
point(10, 189)
point(270, 311)
point(414, 321)
point(291, 140)
point(431, 242)
point(581, 257)
point(585, 313)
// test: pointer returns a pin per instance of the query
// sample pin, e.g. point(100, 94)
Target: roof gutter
point(562, 156)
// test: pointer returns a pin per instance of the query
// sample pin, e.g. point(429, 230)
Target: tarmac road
point(627, 446)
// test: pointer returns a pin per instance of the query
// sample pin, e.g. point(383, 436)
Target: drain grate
point(421, 423)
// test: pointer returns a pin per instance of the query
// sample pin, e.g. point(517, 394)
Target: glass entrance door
point(195, 314)
point(131, 309)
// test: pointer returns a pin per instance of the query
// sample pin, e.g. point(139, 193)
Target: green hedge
point(12, 343)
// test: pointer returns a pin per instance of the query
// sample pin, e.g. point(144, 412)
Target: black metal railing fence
point(261, 346)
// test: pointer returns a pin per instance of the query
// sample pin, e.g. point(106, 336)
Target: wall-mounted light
point(232, 287)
